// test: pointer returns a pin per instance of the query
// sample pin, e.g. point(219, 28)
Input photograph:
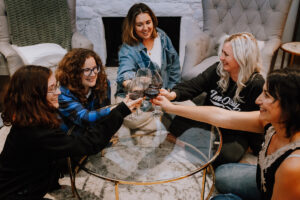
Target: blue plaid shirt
point(74, 112)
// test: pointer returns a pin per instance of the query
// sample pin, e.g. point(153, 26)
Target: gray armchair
point(30, 22)
point(265, 19)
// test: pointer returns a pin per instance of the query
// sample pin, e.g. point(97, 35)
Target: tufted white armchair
point(265, 19)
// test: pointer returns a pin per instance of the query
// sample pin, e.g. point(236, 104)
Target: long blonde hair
point(247, 55)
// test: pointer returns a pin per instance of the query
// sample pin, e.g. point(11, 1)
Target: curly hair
point(26, 101)
point(69, 73)
point(128, 35)
point(247, 55)
point(284, 85)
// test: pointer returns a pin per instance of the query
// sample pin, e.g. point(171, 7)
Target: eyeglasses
point(88, 71)
point(52, 89)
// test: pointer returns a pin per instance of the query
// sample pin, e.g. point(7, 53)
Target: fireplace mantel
point(90, 13)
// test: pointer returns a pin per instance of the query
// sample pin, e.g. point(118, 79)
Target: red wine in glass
point(134, 95)
point(151, 92)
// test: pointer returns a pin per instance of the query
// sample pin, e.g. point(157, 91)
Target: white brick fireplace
point(90, 13)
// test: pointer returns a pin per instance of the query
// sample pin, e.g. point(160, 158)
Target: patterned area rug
point(93, 188)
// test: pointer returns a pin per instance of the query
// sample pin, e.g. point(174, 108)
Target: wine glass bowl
point(135, 89)
point(151, 92)
point(157, 81)
point(134, 95)
point(144, 75)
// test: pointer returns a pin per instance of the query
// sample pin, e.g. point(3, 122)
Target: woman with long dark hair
point(28, 167)
point(277, 174)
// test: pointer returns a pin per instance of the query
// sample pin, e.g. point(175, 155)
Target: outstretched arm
point(72, 109)
point(245, 121)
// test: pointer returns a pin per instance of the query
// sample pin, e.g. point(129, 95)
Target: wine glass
point(157, 81)
point(153, 90)
point(127, 76)
point(145, 75)
point(135, 90)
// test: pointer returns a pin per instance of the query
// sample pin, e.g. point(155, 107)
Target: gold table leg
point(117, 190)
point(203, 183)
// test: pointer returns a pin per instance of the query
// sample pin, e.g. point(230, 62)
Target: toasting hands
point(133, 104)
point(169, 95)
point(163, 102)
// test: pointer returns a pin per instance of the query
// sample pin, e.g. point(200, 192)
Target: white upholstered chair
point(265, 19)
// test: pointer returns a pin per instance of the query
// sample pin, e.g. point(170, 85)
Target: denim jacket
point(132, 58)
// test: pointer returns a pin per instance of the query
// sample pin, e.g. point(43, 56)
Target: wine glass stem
point(156, 111)
point(136, 112)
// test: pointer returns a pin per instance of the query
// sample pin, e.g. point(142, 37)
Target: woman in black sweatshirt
point(28, 161)
point(233, 84)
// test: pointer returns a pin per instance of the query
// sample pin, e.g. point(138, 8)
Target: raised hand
point(163, 102)
point(133, 105)
point(169, 95)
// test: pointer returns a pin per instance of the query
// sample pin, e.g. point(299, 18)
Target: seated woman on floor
point(146, 46)
point(233, 84)
point(277, 175)
point(28, 167)
point(84, 89)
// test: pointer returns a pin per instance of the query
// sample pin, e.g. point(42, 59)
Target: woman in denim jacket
point(146, 46)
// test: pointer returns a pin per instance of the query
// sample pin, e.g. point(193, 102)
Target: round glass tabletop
point(156, 157)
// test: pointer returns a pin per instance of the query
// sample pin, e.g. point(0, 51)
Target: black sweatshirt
point(27, 162)
point(207, 82)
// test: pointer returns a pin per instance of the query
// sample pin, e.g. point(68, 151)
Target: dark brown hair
point(25, 101)
point(284, 85)
point(69, 73)
point(128, 35)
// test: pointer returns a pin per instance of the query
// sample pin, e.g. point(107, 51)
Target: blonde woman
point(234, 83)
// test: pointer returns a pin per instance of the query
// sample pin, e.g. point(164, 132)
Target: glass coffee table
point(157, 157)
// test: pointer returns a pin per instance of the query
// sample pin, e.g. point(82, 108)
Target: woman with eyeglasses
point(28, 162)
point(84, 89)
